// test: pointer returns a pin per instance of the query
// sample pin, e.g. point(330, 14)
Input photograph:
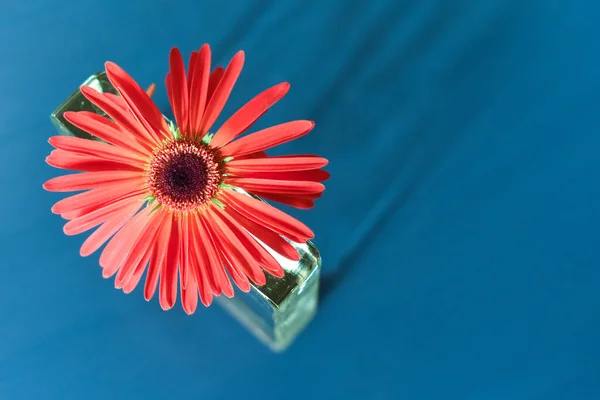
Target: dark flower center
point(183, 175)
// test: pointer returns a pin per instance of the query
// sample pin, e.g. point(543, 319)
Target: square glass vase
point(275, 312)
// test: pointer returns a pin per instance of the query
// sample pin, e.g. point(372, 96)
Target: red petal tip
point(285, 86)
point(106, 273)
point(295, 257)
point(69, 114)
point(85, 88)
point(239, 57)
point(174, 52)
point(66, 231)
point(205, 302)
point(280, 273)
point(84, 253)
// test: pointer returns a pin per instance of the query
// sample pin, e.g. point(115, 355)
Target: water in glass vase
point(275, 312)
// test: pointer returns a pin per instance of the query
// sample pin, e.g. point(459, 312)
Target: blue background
point(459, 230)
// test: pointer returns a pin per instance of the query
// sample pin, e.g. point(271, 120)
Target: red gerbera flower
point(167, 198)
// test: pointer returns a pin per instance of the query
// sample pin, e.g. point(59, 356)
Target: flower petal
point(178, 93)
point(277, 164)
point(258, 154)
point(133, 281)
point(96, 149)
point(316, 175)
point(80, 212)
point(167, 295)
point(199, 76)
point(122, 117)
point(184, 248)
point(190, 71)
point(108, 229)
point(97, 217)
point(159, 255)
point(200, 270)
point(267, 138)
point(117, 100)
point(169, 86)
point(105, 129)
point(235, 250)
point(248, 114)
point(189, 294)
point(137, 274)
point(139, 253)
point(138, 102)
point(213, 82)
point(121, 245)
point(268, 216)
point(222, 92)
point(81, 162)
point(265, 235)
point(254, 249)
point(99, 196)
point(224, 255)
point(87, 180)
point(299, 201)
point(276, 186)
point(205, 248)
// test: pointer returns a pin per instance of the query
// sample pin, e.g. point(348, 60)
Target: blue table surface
point(459, 230)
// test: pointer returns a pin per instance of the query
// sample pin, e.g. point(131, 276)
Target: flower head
point(170, 200)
